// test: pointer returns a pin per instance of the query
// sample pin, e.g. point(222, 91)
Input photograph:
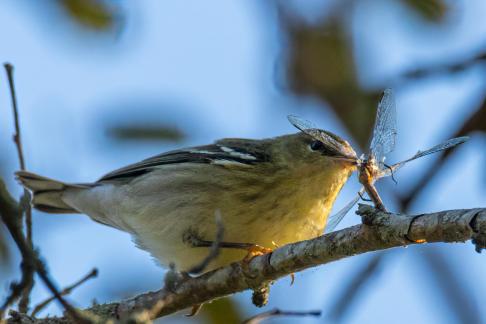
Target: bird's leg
point(260, 294)
point(191, 238)
point(252, 249)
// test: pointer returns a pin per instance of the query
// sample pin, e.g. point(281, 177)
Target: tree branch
point(379, 231)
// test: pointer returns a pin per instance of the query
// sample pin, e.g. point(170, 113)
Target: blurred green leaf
point(95, 14)
point(432, 10)
point(135, 132)
point(321, 59)
point(222, 311)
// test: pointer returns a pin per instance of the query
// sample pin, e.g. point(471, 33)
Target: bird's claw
point(254, 251)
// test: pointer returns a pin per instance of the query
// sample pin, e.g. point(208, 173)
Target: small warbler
point(272, 190)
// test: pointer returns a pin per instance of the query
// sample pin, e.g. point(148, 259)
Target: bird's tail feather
point(47, 193)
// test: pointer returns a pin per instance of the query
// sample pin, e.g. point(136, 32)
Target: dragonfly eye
point(316, 145)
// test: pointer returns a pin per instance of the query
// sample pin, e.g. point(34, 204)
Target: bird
point(271, 191)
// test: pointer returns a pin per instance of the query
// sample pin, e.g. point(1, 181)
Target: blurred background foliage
point(320, 63)
point(431, 10)
point(100, 16)
point(324, 53)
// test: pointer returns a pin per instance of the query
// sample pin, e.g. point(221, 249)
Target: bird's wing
point(223, 153)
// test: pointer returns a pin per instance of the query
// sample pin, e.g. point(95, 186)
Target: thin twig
point(445, 67)
point(454, 293)
point(277, 312)
point(354, 287)
point(92, 274)
point(18, 143)
point(9, 214)
point(25, 200)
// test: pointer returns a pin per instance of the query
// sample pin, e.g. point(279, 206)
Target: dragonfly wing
point(310, 129)
point(300, 123)
point(385, 130)
point(440, 147)
point(437, 148)
point(335, 219)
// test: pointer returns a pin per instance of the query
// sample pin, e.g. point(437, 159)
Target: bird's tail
point(47, 193)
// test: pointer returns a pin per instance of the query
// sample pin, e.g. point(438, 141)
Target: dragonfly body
point(368, 173)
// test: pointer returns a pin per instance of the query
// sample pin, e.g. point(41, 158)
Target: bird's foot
point(254, 251)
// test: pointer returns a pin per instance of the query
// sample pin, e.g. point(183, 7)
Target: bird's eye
point(316, 145)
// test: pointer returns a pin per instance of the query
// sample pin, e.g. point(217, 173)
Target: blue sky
point(209, 68)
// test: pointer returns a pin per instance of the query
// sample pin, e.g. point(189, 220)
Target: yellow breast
point(293, 207)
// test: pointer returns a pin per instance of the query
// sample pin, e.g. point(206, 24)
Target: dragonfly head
point(361, 160)
point(368, 169)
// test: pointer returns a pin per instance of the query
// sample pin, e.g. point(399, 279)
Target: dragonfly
point(371, 166)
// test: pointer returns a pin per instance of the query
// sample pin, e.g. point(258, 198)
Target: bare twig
point(18, 144)
point(28, 276)
point(451, 67)
point(353, 288)
point(92, 274)
point(379, 231)
point(453, 289)
point(9, 213)
point(277, 312)
point(16, 137)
